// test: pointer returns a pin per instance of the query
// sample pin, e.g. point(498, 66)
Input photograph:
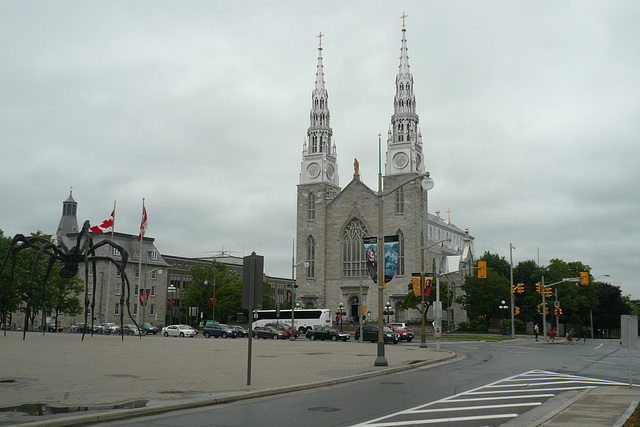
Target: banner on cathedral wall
point(415, 281)
point(390, 257)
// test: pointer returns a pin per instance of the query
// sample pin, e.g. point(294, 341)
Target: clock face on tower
point(400, 160)
point(330, 172)
point(313, 170)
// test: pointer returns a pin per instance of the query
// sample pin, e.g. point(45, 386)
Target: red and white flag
point(144, 296)
point(143, 224)
point(106, 226)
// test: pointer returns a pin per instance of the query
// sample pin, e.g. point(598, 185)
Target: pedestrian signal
point(584, 278)
point(520, 288)
point(482, 269)
point(517, 310)
point(364, 308)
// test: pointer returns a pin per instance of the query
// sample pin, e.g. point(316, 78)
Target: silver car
point(179, 331)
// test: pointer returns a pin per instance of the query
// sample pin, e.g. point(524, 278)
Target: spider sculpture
point(83, 252)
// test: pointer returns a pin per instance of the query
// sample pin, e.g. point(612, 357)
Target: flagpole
point(113, 228)
point(140, 266)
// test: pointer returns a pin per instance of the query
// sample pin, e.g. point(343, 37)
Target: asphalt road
point(434, 394)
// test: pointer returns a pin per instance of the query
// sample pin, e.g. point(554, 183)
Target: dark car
point(149, 328)
point(283, 327)
point(242, 332)
point(370, 333)
point(403, 331)
point(218, 330)
point(51, 327)
point(269, 332)
point(327, 333)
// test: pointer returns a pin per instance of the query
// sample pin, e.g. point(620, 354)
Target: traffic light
point(584, 278)
point(513, 289)
point(538, 288)
point(482, 269)
point(520, 288)
point(560, 311)
point(547, 292)
point(546, 310)
point(555, 311)
point(538, 307)
point(364, 308)
point(517, 310)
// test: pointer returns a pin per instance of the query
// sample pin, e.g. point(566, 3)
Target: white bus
point(304, 318)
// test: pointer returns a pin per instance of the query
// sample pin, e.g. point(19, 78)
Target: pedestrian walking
point(552, 335)
point(583, 334)
point(536, 331)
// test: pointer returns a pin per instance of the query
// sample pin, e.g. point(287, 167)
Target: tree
point(482, 297)
point(612, 306)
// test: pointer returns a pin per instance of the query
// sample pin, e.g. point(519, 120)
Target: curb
point(120, 414)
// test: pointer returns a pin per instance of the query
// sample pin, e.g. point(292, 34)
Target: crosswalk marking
point(530, 388)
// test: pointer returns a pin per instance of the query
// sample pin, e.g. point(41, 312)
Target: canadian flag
point(106, 226)
point(143, 224)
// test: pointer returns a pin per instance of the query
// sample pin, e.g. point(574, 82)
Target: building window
point(136, 272)
point(152, 309)
point(153, 291)
point(135, 308)
point(400, 201)
point(311, 208)
point(135, 290)
point(400, 269)
point(311, 256)
point(118, 273)
point(353, 256)
point(116, 310)
point(154, 274)
point(115, 251)
point(118, 288)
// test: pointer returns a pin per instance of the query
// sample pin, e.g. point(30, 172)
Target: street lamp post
point(293, 289)
point(342, 313)
point(388, 310)
point(427, 184)
point(513, 328)
point(172, 292)
point(503, 307)
point(213, 301)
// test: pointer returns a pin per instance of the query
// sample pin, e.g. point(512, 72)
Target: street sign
point(557, 304)
point(437, 328)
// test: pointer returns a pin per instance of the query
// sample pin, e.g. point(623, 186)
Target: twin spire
point(404, 144)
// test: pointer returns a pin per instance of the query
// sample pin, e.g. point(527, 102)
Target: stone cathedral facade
point(332, 221)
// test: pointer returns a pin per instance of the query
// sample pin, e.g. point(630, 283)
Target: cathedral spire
point(404, 143)
point(319, 154)
point(68, 221)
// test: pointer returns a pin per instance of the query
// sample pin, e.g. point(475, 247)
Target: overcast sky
point(529, 112)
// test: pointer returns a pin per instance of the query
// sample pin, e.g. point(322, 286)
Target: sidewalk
point(59, 373)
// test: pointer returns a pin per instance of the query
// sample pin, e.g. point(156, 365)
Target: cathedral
point(332, 221)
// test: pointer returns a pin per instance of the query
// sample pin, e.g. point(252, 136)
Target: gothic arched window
point(311, 256)
point(400, 201)
point(400, 269)
point(311, 207)
point(353, 256)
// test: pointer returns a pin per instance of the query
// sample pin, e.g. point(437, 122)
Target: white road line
point(443, 420)
point(478, 399)
point(471, 408)
point(599, 361)
point(534, 390)
point(599, 346)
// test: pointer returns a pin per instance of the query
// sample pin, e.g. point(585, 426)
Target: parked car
point(149, 328)
point(404, 332)
point(218, 330)
point(242, 332)
point(179, 331)
point(370, 333)
point(327, 333)
point(269, 332)
point(132, 329)
point(83, 327)
point(108, 328)
point(286, 328)
point(398, 324)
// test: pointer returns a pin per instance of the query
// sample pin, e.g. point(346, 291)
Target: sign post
point(252, 290)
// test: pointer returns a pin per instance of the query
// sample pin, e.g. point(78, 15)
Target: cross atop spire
point(320, 36)
point(404, 15)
